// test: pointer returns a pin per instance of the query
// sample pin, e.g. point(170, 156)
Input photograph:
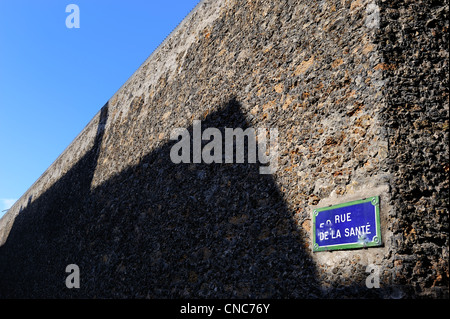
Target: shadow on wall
point(46, 233)
point(160, 230)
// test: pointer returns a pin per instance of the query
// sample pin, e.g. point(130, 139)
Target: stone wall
point(414, 46)
point(358, 93)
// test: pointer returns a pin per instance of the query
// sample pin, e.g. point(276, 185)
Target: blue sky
point(53, 79)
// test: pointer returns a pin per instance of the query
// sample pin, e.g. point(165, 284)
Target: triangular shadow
point(160, 230)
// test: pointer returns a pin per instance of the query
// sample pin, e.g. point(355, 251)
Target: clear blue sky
point(53, 79)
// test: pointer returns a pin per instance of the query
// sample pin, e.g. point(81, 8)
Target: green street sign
point(349, 225)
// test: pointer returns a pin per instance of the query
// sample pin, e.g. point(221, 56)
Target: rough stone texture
point(414, 46)
point(358, 93)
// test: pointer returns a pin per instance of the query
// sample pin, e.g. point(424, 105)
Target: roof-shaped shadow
point(160, 230)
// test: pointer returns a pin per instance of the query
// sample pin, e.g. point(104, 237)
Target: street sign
point(349, 225)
